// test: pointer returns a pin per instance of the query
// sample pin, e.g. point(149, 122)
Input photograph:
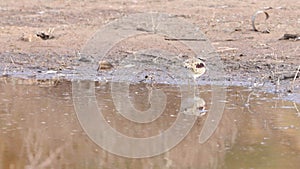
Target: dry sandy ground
point(250, 56)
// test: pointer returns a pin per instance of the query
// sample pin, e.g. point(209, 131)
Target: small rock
point(44, 36)
point(51, 72)
point(103, 65)
point(288, 36)
point(84, 59)
point(28, 37)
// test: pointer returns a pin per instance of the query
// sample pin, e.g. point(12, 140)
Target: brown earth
point(248, 56)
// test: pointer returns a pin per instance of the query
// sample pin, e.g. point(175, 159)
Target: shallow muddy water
point(40, 129)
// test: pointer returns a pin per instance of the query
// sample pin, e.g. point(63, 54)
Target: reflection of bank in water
point(39, 122)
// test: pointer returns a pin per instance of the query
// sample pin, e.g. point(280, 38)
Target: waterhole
point(39, 129)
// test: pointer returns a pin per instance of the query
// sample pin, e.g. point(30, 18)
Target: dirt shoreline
point(248, 56)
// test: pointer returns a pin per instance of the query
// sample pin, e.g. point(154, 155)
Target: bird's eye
point(199, 65)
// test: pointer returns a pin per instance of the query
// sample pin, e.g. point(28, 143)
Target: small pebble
point(103, 65)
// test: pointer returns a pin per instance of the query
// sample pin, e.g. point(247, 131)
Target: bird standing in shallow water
point(196, 65)
point(196, 105)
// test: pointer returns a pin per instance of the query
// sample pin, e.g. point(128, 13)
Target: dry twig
point(295, 77)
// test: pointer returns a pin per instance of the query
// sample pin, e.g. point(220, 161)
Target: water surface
point(39, 129)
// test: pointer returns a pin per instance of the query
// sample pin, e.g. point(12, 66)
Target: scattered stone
point(288, 36)
point(237, 29)
point(28, 37)
point(51, 72)
point(104, 65)
point(84, 59)
point(44, 36)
